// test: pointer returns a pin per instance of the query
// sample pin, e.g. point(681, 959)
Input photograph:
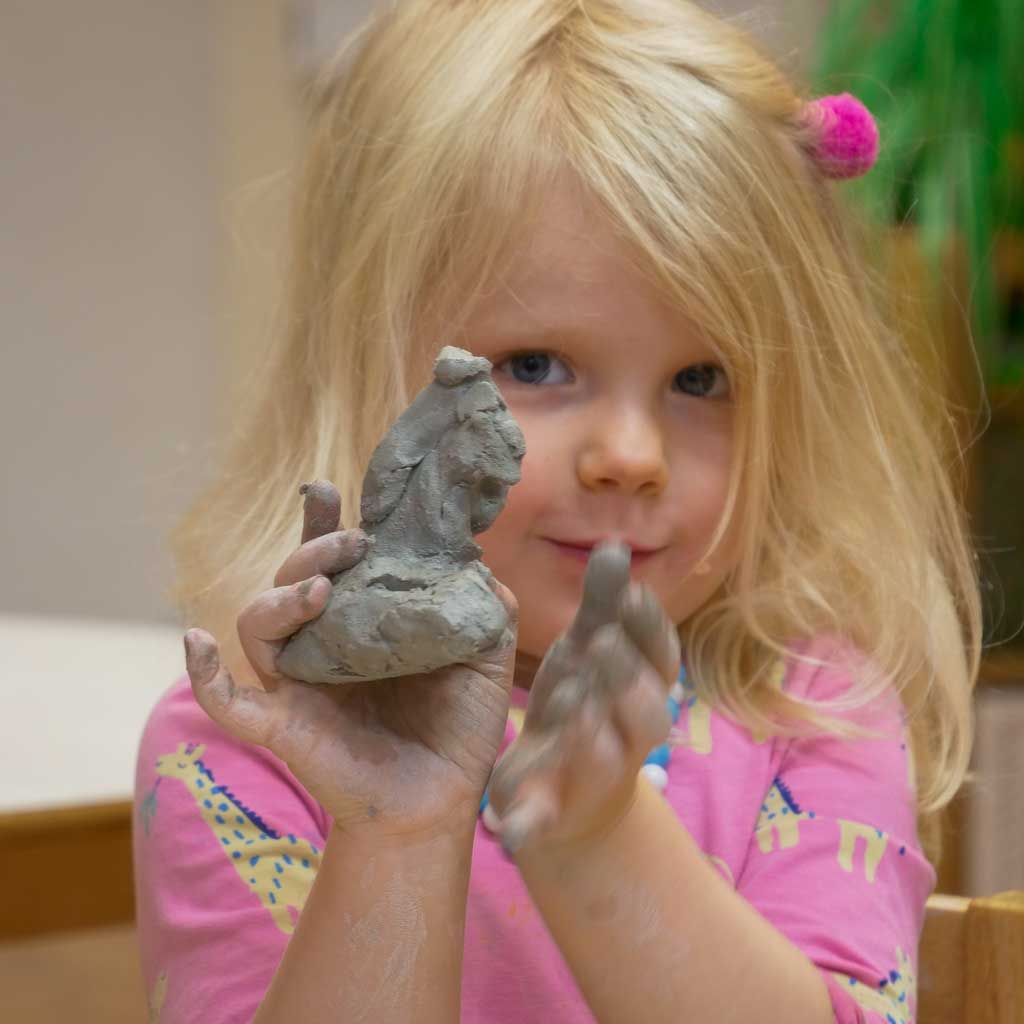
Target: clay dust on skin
point(394, 928)
point(399, 916)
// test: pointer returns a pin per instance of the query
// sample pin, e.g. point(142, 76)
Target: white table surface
point(76, 694)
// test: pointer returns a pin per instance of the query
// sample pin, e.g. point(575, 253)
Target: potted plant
point(945, 82)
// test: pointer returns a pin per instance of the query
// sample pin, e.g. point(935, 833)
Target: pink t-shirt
point(819, 835)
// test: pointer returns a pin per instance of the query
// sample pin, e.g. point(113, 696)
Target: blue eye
point(699, 380)
point(530, 367)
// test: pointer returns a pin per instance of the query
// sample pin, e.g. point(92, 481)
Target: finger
point(653, 632)
point(596, 749)
point(563, 703)
point(535, 812)
point(507, 598)
point(243, 711)
point(560, 662)
point(607, 576)
point(321, 509)
point(266, 622)
point(612, 662)
point(632, 691)
point(511, 606)
point(529, 757)
point(324, 556)
point(641, 717)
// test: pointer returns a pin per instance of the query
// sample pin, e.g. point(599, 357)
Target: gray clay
point(420, 599)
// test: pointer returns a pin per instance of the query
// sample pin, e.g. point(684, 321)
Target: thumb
point(498, 662)
point(508, 599)
point(244, 711)
point(507, 643)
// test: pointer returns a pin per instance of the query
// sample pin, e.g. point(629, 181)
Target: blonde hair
point(433, 138)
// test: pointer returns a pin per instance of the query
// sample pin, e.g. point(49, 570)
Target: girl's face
point(628, 420)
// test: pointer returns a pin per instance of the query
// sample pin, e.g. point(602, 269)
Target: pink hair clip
point(847, 142)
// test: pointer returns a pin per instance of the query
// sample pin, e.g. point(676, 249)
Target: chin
point(540, 627)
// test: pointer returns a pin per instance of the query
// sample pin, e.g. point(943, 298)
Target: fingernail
point(306, 586)
point(190, 645)
point(362, 543)
point(511, 841)
point(515, 829)
point(199, 661)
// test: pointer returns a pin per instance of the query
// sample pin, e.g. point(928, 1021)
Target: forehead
point(570, 271)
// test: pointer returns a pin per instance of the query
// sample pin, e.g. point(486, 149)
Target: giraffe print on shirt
point(779, 820)
point(778, 827)
point(279, 869)
point(693, 728)
point(895, 996)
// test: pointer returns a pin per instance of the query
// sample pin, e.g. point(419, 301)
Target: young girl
point(628, 210)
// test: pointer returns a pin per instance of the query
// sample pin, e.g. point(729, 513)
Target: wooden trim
point(66, 868)
point(972, 960)
point(1003, 665)
point(88, 976)
point(994, 990)
point(942, 958)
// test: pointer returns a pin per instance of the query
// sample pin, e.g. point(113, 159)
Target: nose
point(623, 452)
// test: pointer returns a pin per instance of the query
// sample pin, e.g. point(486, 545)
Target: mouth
point(580, 551)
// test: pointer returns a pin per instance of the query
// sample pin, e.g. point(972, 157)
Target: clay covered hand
point(421, 599)
point(394, 757)
point(597, 706)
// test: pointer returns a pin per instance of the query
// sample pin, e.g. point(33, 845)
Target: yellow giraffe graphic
point(780, 819)
point(157, 997)
point(894, 995)
point(875, 841)
point(517, 716)
point(697, 731)
point(278, 869)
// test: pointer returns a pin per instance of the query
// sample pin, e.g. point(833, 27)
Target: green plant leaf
point(945, 81)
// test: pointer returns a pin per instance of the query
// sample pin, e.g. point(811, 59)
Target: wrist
point(589, 853)
point(593, 832)
point(457, 826)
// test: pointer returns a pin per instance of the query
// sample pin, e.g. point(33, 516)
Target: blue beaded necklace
point(655, 766)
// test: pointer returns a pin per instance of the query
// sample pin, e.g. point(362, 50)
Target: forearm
point(380, 938)
point(647, 925)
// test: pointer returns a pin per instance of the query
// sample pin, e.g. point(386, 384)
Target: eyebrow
point(533, 335)
point(697, 350)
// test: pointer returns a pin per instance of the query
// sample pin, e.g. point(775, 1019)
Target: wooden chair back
point(971, 962)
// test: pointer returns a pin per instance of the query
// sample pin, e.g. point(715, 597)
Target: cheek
point(513, 549)
point(700, 476)
point(700, 472)
point(523, 504)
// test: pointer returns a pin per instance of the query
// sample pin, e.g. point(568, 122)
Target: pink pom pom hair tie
point(847, 136)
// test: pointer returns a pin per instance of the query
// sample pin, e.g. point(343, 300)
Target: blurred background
point(146, 152)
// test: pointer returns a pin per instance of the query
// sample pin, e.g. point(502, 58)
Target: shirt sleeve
point(226, 844)
point(835, 862)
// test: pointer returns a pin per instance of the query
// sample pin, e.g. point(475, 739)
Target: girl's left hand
point(597, 707)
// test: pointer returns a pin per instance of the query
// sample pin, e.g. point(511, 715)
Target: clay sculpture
point(420, 599)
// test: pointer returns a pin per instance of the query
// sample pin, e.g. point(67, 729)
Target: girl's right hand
point(392, 757)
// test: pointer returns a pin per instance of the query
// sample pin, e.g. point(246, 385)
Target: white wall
point(108, 261)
